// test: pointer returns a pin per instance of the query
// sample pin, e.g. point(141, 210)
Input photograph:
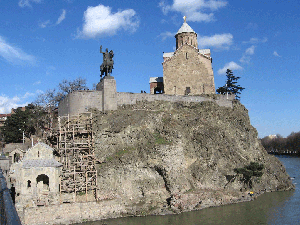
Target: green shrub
point(254, 169)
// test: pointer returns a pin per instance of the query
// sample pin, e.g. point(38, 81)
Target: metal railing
point(8, 213)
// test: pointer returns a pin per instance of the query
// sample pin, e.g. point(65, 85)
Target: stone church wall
point(188, 70)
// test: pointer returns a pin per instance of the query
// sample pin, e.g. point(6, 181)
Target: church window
point(186, 55)
point(187, 90)
point(38, 154)
point(29, 183)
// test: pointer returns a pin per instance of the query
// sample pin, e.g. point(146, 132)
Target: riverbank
point(95, 211)
point(274, 208)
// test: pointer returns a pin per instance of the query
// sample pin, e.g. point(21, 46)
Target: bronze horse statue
point(108, 62)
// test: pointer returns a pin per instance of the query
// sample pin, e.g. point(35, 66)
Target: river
point(270, 208)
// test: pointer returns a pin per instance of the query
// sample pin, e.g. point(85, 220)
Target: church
point(188, 70)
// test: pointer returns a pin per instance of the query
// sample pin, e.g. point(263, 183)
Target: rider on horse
point(108, 63)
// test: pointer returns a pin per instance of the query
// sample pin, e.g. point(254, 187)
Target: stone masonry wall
point(79, 102)
point(72, 213)
point(125, 98)
point(188, 68)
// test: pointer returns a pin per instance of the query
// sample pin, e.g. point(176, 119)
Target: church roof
point(185, 28)
point(40, 163)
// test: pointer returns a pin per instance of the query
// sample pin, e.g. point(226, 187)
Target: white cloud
point(276, 54)
point(61, 17)
point(166, 35)
point(37, 82)
point(44, 24)
point(100, 21)
point(256, 40)
point(24, 3)
point(250, 51)
point(246, 56)
point(245, 59)
point(221, 41)
point(195, 10)
point(232, 65)
point(14, 54)
point(7, 103)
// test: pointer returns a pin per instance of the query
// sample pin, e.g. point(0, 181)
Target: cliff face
point(163, 157)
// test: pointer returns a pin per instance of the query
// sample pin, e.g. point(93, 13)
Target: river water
point(270, 208)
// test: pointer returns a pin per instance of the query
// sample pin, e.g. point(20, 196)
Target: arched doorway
point(17, 157)
point(42, 182)
point(158, 90)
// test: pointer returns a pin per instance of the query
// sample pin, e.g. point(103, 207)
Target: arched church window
point(29, 183)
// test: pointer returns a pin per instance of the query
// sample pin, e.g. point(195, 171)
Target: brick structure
point(156, 85)
point(188, 70)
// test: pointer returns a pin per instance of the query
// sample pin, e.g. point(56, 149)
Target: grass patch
point(119, 153)
point(159, 140)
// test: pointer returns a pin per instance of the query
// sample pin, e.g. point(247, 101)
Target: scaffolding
point(75, 146)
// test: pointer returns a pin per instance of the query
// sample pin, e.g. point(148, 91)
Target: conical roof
point(185, 28)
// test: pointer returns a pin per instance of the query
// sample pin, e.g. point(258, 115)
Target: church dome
point(185, 28)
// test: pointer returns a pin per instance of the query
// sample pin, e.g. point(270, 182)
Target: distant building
point(3, 118)
point(272, 136)
point(188, 70)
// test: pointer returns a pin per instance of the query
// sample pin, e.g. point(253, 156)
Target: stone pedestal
point(109, 93)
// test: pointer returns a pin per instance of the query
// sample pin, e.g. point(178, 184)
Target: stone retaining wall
point(72, 213)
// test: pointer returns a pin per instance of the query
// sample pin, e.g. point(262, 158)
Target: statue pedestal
point(109, 93)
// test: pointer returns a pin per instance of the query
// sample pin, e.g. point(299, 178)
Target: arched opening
point(42, 182)
point(29, 183)
point(158, 90)
point(187, 90)
point(17, 157)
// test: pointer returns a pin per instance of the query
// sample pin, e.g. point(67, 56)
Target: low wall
point(81, 101)
point(125, 98)
point(72, 213)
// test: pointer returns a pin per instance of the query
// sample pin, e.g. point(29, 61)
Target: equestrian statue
point(108, 62)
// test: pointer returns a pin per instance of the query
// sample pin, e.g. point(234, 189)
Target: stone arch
point(42, 182)
point(158, 90)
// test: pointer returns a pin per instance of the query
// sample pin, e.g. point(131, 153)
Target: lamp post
point(23, 137)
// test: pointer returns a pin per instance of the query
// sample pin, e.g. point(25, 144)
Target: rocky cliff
point(162, 157)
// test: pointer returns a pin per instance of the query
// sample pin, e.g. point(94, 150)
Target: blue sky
point(43, 42)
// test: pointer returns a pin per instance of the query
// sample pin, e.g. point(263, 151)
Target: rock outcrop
point(161, 157)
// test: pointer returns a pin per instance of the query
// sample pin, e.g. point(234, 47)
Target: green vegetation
point(119, 154)
point(159, 140)
point(280, 145)
point(254, 169)
point(231, 86)
point(17, 123)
